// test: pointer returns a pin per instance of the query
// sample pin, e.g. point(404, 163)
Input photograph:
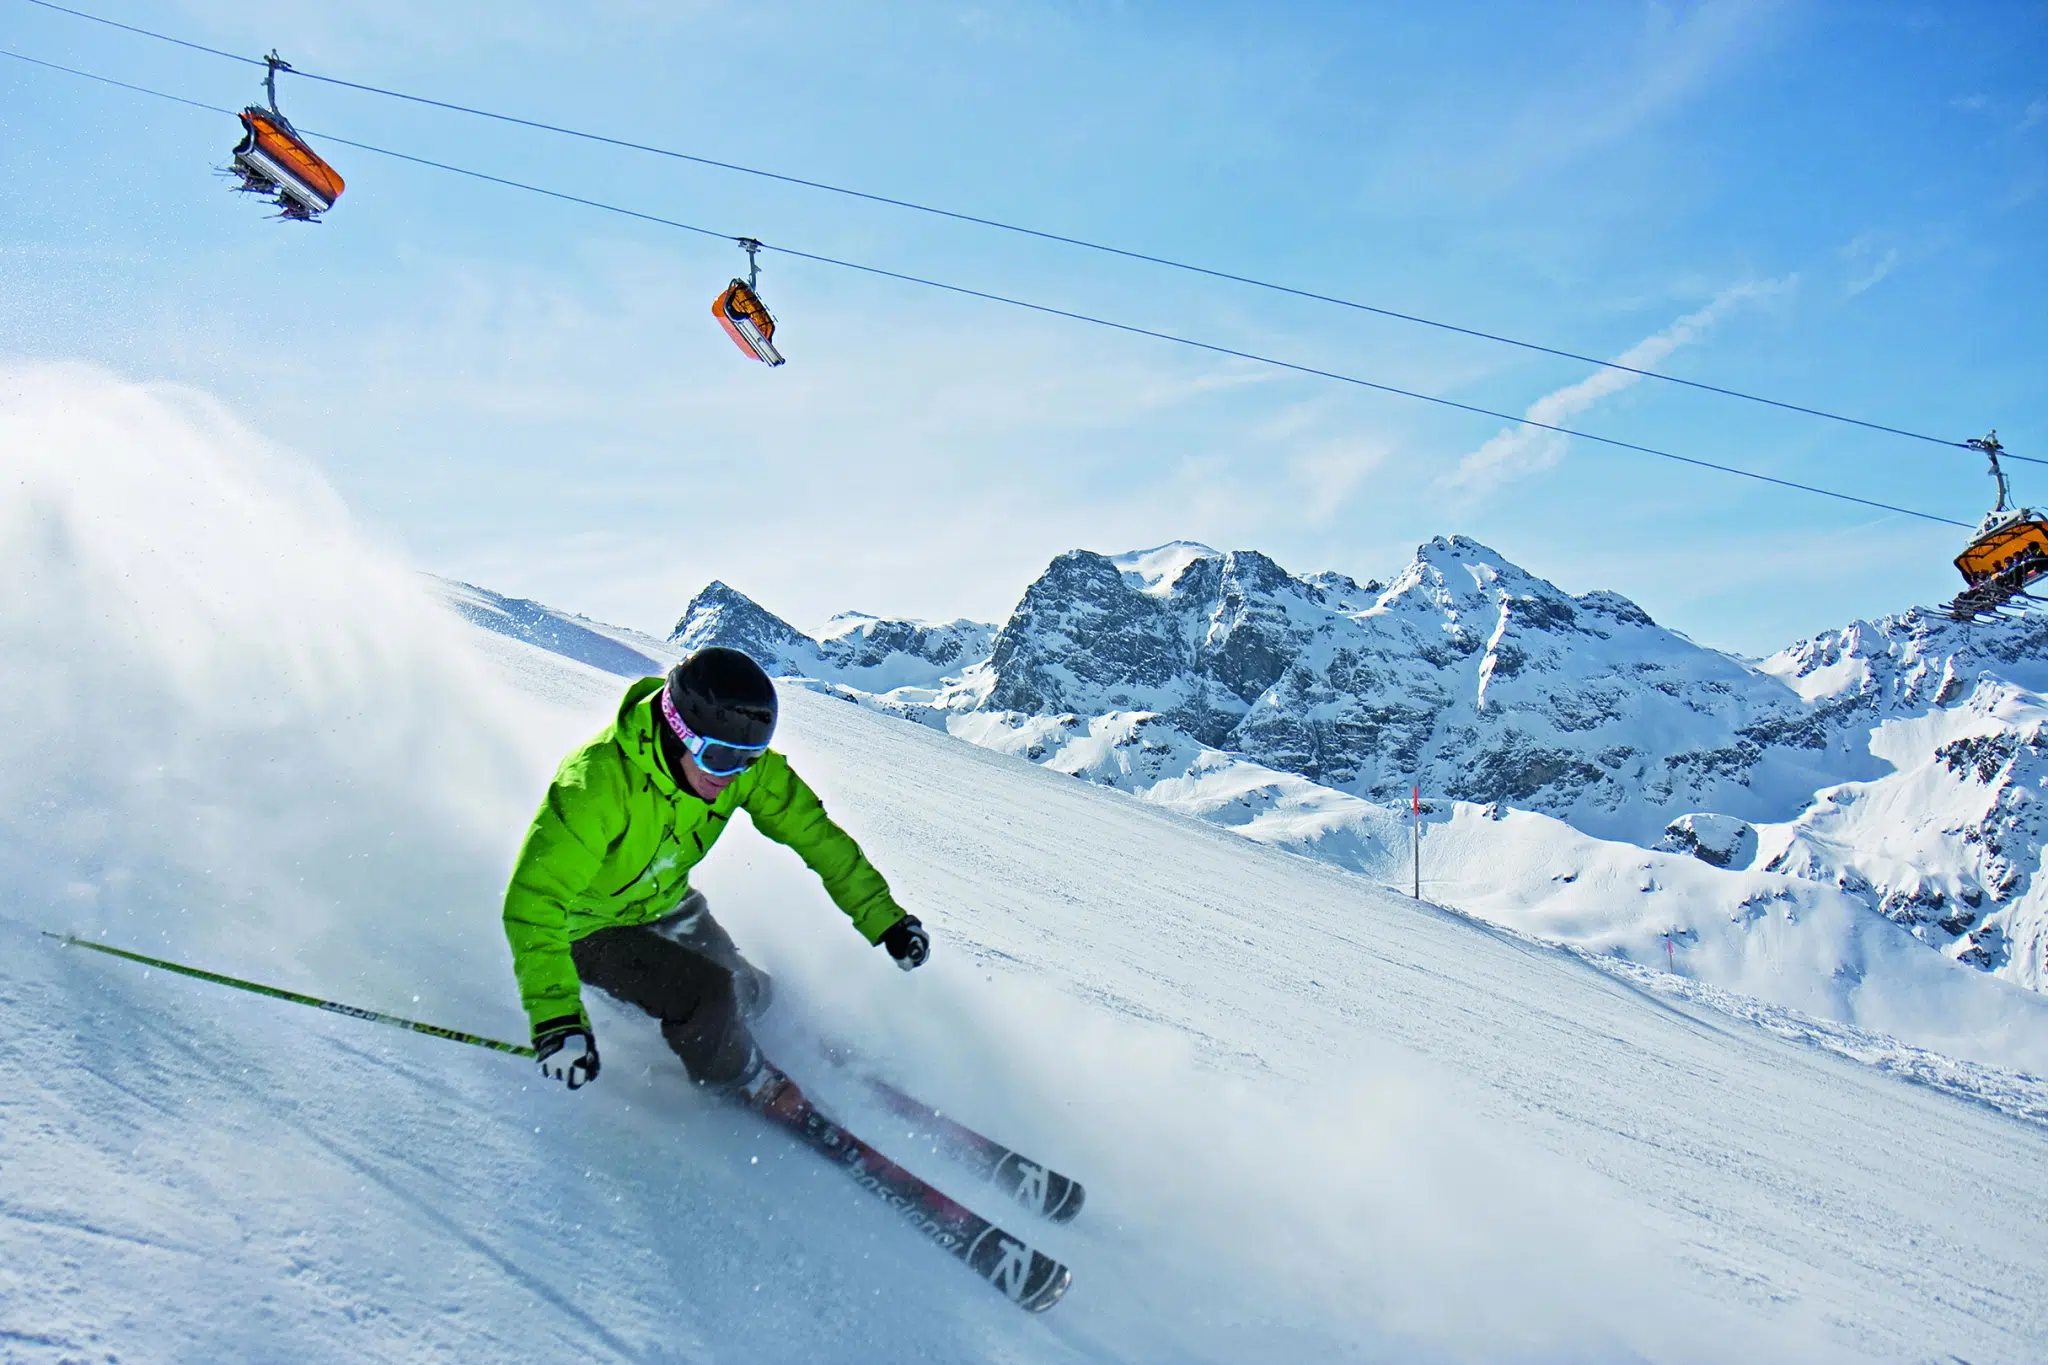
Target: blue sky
point(1841, 205)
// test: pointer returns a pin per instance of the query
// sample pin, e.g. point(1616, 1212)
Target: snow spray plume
point(239, 730)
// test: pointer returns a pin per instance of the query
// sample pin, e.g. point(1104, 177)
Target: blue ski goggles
point(714, 756)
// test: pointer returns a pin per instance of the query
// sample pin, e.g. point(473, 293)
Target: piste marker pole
point(278, 993)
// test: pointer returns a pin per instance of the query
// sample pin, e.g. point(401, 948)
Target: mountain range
point(1871, 786)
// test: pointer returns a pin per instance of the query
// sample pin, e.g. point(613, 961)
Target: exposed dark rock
point(1982, 757)
point(1714, 839)
point(1084, 638)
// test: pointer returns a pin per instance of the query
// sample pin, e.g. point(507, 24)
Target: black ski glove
point(907, 942)
point(567, 1050)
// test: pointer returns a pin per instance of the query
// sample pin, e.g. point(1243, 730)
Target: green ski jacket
point(615, 840)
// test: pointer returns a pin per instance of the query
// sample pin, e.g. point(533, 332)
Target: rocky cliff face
point(1094, 635)
point(1467, 673)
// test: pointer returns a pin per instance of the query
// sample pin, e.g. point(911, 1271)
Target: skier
point(601, 892)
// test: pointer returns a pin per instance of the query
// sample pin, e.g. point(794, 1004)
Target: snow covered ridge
point(857, 650)
point(610, 649)
point(1294, 708)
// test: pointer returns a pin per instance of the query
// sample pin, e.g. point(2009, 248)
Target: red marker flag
point(1418, 800)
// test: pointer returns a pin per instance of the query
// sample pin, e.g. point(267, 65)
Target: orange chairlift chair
point(275, 162)
point(744, 317)
point(2008, 554)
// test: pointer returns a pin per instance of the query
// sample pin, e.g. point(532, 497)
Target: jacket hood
point(633, 728)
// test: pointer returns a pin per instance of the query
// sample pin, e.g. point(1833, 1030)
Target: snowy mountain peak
point(846, 623)
point(720, 615)
point(1456, 575)
point(1156, 570)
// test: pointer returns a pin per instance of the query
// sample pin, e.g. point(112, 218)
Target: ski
point(1030, 1279)
point(1033, 1185)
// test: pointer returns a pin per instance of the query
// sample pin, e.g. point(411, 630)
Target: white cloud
point(1328, 474)
point(1629, 78)
point(1882, 267)
point(2036, 113)
point(1867, 265)
point(1524, 450)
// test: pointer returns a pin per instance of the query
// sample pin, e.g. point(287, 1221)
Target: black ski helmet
point(722, 694)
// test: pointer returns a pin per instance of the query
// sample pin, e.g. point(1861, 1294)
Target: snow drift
point(238, 730)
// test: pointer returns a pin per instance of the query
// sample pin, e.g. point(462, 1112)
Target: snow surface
point(1318, 1121)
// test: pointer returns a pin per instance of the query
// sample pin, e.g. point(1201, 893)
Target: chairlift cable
point(148, 33)
point(1042, 308)
point(1043, 235)
point(123, 85)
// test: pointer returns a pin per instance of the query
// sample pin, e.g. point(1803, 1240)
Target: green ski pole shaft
point(277, 993)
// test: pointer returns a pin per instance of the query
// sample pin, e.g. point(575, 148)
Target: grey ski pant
point(685, 971)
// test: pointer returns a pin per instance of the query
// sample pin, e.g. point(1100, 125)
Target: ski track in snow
point(1318, 1121)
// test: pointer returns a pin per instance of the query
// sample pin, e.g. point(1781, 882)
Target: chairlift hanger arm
point(272, 64)
point(1990, 446)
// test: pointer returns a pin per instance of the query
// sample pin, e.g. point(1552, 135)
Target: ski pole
point(278, 993)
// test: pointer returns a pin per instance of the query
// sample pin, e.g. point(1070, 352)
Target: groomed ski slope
point(1318, 1121)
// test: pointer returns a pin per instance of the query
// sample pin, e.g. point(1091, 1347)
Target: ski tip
point(1070, 1207)
point(1054, 1290)
point(1030, 1279)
